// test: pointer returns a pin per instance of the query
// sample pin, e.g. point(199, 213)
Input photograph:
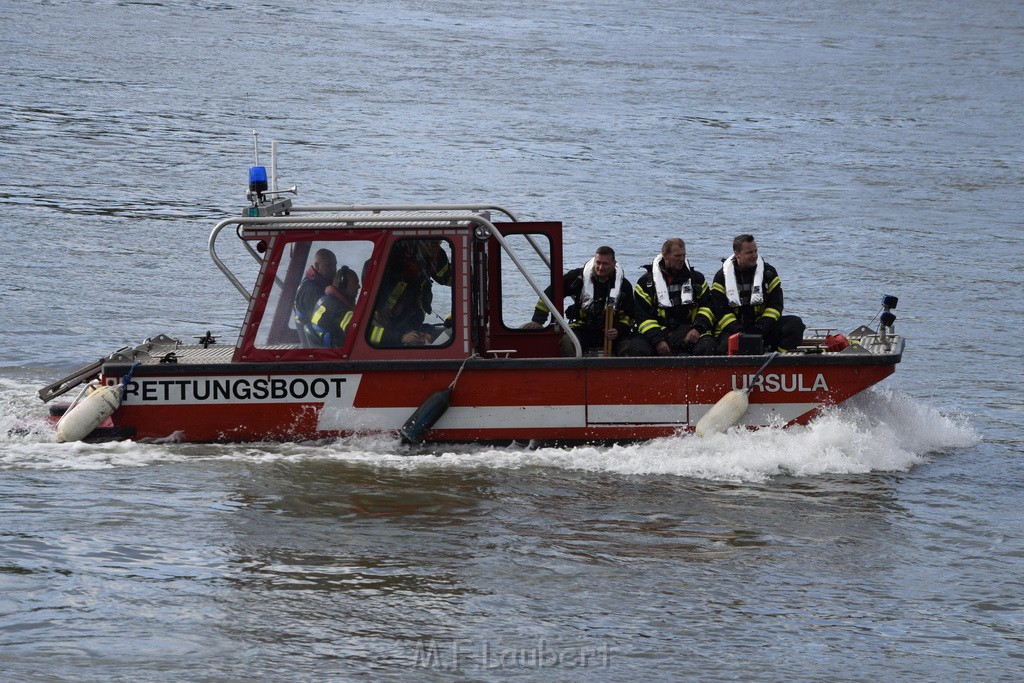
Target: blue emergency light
point(258, 179)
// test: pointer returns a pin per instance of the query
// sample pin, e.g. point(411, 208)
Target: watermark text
point(461, 655)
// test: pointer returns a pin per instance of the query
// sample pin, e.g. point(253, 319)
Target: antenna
point(257, 174)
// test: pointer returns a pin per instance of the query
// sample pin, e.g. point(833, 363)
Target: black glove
point(677, 338)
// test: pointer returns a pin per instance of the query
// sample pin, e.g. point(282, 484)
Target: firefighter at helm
point(673, 307)
point(405, 296)
point(590, 288)
point(747, 297)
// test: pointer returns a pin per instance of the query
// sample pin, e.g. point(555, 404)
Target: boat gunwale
point(183, 367)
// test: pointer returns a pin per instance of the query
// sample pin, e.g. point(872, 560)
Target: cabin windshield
point(301, 310)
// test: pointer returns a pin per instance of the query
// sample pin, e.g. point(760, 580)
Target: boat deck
point(163, 349)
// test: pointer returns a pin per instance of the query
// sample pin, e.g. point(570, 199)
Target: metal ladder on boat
point(66, 384)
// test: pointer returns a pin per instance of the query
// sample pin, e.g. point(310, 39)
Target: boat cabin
point(406, 283)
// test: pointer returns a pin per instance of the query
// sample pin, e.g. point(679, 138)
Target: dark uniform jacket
point(401, 307)
point(655, 322)
point(331, 318)
point(591, 316)
point(307, 294)
point(764, 316)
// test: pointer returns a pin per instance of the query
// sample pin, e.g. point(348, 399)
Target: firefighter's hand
point(415, 338)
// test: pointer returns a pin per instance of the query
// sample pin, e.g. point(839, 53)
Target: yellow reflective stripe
point(727, 319)
point(718, 287)
point(395, 294)
point(317, 314)
point(648, 325)
point(642, 294)
point(376, 334)
point(773, 285)
point(772, 313)
point(708, 315)
point(541, 307)
point(346, 320)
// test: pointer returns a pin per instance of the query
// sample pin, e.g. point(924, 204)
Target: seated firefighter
point(747, 298)
point(672, 307)
point(314, 283)
point(333, 313)
point(601, 308)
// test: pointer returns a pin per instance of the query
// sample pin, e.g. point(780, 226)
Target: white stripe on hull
point(348, 418)
point(669, 413)
point(760, 414)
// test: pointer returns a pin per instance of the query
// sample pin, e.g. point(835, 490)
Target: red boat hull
point(577, 400)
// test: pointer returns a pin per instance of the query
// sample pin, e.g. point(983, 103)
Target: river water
point(872, 147)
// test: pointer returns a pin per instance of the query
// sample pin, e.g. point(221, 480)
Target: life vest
point(587, 293)
point(732, 289)
point(665, 291)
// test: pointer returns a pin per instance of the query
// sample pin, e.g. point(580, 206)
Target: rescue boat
point(470, 373)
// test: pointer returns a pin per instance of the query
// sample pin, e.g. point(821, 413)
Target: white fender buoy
point(730, 408)
point(87, 414)
point(724, 414)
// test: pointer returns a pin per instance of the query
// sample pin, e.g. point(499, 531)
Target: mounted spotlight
point(889, 301)
point(481, 232)
point(888, 319)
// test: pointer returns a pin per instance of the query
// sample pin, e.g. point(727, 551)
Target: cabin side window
point(313, 297)
point(414, 302)
point(519, 301)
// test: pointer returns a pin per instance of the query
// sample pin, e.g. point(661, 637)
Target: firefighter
point(315, 281)
point(591, 287)
point(333, 313)
point(746, 296)
point(673, 307)
point(404, 299)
